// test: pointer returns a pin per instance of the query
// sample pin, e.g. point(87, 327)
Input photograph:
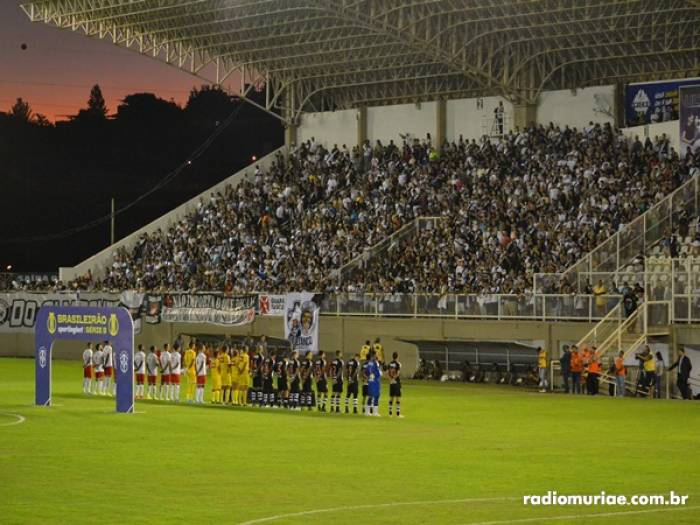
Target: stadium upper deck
point(320, 54)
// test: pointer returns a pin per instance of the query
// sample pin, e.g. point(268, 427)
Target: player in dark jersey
point(337, 379)
point(282, 382)
point(395, 384)
point(294, 380)
point(268, 368)
point(256, 373)
point(352, 370)
point(365, 384)
point(321, 381)
point(306, 371)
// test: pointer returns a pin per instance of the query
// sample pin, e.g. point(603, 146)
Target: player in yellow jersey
point(225, 372)
point(235, 377)
point(379, 351)
point(215, 378)
point(190, 371)
point(244, 378)
point(364, 351)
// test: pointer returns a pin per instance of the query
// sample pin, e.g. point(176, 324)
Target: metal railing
point(631, 240)
point(588, 308)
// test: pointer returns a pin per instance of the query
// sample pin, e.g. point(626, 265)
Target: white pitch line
point(20, 419)
point(582, 516)
point(373, 506)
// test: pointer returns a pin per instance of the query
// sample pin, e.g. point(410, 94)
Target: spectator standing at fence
point(599, 291)
point(660, 369)
point(542, 368)
point(620, 373)
point(576, 367)
point(629, 300)
point(684, 367)
point(565, 364)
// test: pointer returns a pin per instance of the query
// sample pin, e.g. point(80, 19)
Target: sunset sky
point(58, 68)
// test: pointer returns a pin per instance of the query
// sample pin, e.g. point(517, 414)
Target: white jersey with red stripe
point(108, 356)
point(165, 363)
point(175, 363)
point(140, 362)
point(98, 360)
point(200, 364)
point(152, 364)
point(87, 357)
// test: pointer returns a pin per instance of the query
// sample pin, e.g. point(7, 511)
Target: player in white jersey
point(152, 372)
point(109, 368)
point(87, 369)
point(165, 373)
point(98, 362)
point(175, 371)
point(140, 371)
point(200, 364)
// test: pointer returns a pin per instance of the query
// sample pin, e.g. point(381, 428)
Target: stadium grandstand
point(447, 159)
point(479, 188)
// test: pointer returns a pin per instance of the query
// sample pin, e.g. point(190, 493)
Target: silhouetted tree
point(208, 106)
point(96, 102)
point(96, 110)
point(21, 111)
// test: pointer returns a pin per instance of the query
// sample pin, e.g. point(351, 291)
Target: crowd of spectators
point(534, 201)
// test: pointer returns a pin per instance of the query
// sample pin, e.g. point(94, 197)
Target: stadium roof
point(324, 54)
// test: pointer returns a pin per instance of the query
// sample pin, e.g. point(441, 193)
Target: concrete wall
point(472, 117)
point(100, 260)
point(387, 122)
point(329, 128)
point(671, 129)
point(576, 108)
point(343, 333)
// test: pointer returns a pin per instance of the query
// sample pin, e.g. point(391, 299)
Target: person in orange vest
point(620, 373)
point(542, 368)
point(576, 370)
point(594, 371)
point(586, 357)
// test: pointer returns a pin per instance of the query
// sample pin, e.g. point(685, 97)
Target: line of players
point(276, 380)
point(100, 363)
point(303, 383)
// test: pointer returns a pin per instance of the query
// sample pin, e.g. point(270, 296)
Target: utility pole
point(112, 224)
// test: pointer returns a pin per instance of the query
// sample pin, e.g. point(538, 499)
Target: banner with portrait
point(301, 320)
point(689, 120)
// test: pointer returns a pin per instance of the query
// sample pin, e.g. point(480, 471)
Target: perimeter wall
point(349, 333)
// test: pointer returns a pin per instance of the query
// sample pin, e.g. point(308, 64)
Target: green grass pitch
point(464, 454)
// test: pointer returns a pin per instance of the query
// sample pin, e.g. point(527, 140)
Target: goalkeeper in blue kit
point(374, 376)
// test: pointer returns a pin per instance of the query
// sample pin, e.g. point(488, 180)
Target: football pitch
point(464, 454)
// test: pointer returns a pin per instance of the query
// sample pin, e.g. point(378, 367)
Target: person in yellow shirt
point(215, 378)
point(235, 376)
point(647, 358)
point(601, 301)
point(225, 371)
point(379, 351)
point(244, 378)
point(364, 351)
point(190, 371)
point(542, 368)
